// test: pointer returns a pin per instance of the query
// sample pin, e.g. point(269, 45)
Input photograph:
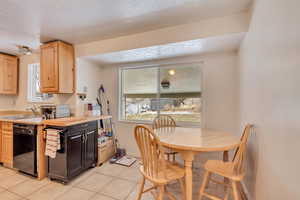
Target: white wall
point(89, 75)
point(219, 85)
point(270, 98)
point(6, 102)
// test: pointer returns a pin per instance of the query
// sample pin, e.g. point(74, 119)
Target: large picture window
point(174, 90)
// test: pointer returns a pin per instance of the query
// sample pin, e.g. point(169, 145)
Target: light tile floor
point(107, 182)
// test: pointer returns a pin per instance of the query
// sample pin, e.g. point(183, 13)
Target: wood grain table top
point(197, 139)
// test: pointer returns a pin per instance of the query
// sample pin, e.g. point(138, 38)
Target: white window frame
point(182, 124)
point(34, 69)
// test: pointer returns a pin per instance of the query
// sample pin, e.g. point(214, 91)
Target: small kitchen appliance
point(55, 111)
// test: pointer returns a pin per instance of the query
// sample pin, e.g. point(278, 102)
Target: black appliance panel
point(24, 148)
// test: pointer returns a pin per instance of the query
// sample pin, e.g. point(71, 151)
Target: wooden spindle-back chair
point(165, 121)
point(154, 167)
point(162, 121)
point(234, 171)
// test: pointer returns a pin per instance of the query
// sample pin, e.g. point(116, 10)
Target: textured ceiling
point(192, 47)
point(30, 22)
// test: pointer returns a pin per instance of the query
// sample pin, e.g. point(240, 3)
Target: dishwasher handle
point(74, 137)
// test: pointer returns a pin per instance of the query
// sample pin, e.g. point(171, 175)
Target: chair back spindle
point(163, 121)
point(240, 153)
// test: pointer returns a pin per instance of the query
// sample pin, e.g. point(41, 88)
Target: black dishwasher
point(24, 148)
point(78, 151)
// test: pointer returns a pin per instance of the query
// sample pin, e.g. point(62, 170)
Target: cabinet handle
point(74, 137)
point(90, 132)
point(83, 138)
point(84, 125)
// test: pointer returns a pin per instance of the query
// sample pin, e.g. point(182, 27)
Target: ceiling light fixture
point(172, 72)
point(24, 50)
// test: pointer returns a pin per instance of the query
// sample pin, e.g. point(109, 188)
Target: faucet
point(34, 109)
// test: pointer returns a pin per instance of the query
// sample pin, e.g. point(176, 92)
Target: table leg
point(188, 162)
point(226, 159)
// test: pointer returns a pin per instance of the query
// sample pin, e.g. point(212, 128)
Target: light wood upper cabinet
point(57, 68)
point(49, 68)
point(8, 74)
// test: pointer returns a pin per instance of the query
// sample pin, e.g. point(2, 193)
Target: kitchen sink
point(17, 117)
point(32, 119)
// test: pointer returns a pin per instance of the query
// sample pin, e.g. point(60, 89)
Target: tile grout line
point(16, 194)
point(99, 192)
point(115, 178)
point(64, 191)
point(36, 190)
point(103, 195)
point(131, 191)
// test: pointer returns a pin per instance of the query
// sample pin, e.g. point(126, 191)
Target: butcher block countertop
point(69, 121)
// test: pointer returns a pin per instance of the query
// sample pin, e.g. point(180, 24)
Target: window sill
point(40, 101)
point(180, 124)
point(134, 122)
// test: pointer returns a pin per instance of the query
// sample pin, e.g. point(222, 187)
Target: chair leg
point(204, 183)
point(235, 190)
point(161, 192)
point(241, 190)
point(227, 190)
point(182, 186)
point(174, 157)
point(141, 189)
point(169, 194)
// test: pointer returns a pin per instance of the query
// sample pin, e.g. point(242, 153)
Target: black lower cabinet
point(89, 148)
point(75, 154)
point(78, 152)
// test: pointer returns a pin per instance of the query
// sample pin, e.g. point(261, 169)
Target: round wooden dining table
point(191, 141)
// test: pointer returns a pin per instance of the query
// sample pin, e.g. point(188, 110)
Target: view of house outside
point(179, 93)
point(181, 109)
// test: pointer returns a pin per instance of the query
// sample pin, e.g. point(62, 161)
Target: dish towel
point(52, 142)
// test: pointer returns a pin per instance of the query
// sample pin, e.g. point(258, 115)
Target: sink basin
point(33, 120)
point(17, 117)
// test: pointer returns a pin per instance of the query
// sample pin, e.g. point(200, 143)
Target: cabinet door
point(7, 148)
point(1, 160)
point(49, 68)
point(66, 68)
point(10, 75)
point(1, 73)
point(75, 154)
point(90, 148)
